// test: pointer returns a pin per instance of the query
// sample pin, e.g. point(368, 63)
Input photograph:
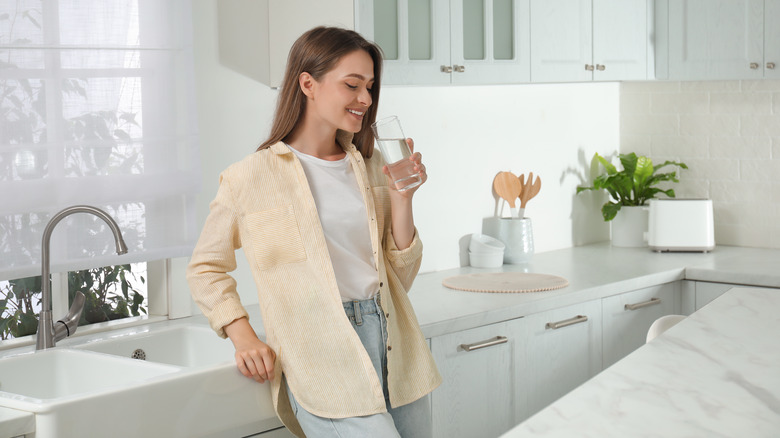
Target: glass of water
point(394, 149)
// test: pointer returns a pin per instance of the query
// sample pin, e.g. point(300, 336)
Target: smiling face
point(340, 99)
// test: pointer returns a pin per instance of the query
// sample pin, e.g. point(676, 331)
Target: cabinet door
point(476, 395)
point(715, 39)
point(489, 41)
point(628, 316)
point(558, 360)
point(561, 40)
point(772, 39)
point(620, 40)
point(414, 36)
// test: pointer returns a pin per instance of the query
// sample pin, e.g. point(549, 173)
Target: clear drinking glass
point(392, 145)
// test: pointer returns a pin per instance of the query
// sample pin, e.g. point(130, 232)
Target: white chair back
point(662, 324)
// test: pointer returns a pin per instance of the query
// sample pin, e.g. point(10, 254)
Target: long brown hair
point(317, 52)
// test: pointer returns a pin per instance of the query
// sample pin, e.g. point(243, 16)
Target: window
point(97, 108)
point(112, 292)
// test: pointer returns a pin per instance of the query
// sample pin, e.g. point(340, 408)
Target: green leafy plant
point(632, 186)
point(18, 301)
point(109, 293)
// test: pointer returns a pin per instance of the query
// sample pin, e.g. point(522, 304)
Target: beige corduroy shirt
point(264, 205)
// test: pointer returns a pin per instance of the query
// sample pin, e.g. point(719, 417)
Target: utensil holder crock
point(516, 234)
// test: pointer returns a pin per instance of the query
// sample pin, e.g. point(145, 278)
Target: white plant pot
point(629, 227)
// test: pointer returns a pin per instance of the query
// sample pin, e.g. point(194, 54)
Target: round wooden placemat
point(506, 282)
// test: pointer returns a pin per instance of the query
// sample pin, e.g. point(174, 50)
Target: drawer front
point(628, 316)
point(475, 397)
point(562, 351)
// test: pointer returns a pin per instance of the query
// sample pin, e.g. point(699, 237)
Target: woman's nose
point(365, 98)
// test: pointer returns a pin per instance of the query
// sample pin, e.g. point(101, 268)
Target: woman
point(333, 251)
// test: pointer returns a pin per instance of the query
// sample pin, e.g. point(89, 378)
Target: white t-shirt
point(344, 220)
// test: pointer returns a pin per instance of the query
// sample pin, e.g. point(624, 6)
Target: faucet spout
point(48, 333)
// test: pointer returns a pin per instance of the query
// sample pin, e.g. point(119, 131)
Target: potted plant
point(630, 189)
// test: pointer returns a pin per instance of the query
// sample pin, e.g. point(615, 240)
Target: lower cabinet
point(562, 351)
point(498, 375)
point(706, 291)
point(478, 367)
point(628, 316)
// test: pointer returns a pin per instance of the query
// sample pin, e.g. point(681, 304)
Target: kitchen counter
point(593, 272)
point(714, 374)
point(15, 423)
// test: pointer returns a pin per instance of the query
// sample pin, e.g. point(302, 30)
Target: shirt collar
point(343, 138)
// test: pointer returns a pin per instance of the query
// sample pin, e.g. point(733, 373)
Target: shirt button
point(387, 315)
point(389, 348)
point(381, 284)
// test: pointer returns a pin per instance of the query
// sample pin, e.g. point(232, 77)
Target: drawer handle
point(566, 322)
point(649, 302)
point(484, 344)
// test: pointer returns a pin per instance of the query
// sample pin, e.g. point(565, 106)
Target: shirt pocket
point(276, 238)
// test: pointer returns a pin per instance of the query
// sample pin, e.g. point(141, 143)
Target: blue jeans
point(408, 421)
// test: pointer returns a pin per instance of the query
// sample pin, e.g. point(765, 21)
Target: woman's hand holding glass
point(419, 167)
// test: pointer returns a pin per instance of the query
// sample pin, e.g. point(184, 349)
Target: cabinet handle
point(459, 68)
point(754, 66)
point(566, 322)
point(446, 69)
point(588, 67)
point(649, 302)
point(484, 344)
point(770, 65)
point(600, 67)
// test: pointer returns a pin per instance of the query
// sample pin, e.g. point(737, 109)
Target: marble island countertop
point(715, 374)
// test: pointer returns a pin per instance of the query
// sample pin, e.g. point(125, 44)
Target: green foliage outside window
point(112, 292)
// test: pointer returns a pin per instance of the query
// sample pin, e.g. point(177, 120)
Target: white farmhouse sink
point(188, 386)
point(186, 346)
point(50, 375)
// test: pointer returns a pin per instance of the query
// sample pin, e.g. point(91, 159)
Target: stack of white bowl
point(485, 251)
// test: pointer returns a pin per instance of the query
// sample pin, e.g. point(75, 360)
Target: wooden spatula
point(508, 187)
point(530, 188)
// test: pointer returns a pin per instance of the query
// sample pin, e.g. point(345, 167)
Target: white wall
point(728, 133)
point(466, 135)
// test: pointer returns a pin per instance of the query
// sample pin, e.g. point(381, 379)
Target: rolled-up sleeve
point(405, 263)
point(212, 288)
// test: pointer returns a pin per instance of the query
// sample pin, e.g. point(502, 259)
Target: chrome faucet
point(48, 333)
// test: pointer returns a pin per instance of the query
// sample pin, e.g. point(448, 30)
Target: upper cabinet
point(587, 40)
point(448, 41)
point(255, 36)
point(717, 39)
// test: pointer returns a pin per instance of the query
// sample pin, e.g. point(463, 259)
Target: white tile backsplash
point(679, 103)
point(728, 132)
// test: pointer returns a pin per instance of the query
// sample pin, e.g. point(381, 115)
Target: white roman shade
point(97, 107)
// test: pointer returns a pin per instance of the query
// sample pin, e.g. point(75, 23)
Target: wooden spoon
point(508, 187)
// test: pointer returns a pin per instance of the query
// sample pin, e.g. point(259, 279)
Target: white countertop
point(593, 272)
point(15, 423)
point(715, 374)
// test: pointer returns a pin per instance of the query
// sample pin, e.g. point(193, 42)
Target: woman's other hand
point(254, 358)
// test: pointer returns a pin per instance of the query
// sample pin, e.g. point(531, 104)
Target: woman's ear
point(306, 82)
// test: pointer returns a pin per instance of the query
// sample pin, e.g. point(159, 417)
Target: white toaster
point(681, 225)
